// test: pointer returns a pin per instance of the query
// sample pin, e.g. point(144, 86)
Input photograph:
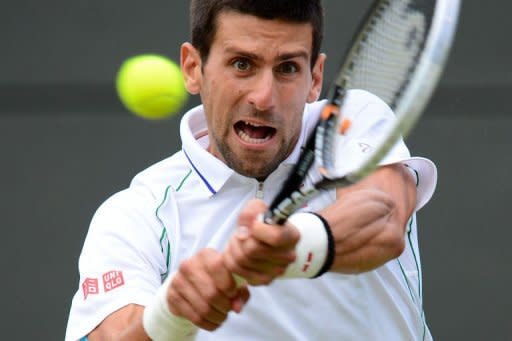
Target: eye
point(242, 64)
point(288, 68)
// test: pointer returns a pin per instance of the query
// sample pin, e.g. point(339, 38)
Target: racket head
point(398, 54)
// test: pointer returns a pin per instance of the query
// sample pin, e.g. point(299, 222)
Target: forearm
point(368, 219)
point(366, 249)
point(122, 325)
point(199, 295)
point(133, 332)
point(367, 223)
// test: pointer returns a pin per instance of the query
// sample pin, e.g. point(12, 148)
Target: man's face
point(254, 86)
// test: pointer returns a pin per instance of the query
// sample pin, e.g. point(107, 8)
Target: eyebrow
point(281, 57)
point(292, 55)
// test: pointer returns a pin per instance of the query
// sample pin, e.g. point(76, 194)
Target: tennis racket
point(398, 54)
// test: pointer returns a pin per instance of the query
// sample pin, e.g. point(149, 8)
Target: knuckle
point(215, 262)
point(206, 253)
point(211, 294)
point(295, 234)
point(198, 320)
point(187, 266)
point(225, 286)
point(248, 250)
point(223, 318)
point(399, 247)
point(204, 310)
point(209, 326)
point(278, 235)
point(265, 280)
point(230, 263)
point(173, 296)
point(291, 235)
point(395, 242)
point(175, 302)
point(261, 279)
point(256, 205)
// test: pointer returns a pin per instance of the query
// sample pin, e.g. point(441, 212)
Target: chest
point(208, 221)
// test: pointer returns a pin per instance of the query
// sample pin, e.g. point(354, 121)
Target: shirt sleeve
point(121, 262)
point(371, 119)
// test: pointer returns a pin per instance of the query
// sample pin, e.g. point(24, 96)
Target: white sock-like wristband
point(162, 325)
point(315, 249)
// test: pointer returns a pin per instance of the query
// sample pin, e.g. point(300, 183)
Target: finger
point(225, 287)
point(201, 291)
point(180, 297)
point(253, 252)
point(255, 273)
point(242, 232)
point(277, 236)
point(256, 256)
point(251, 212)
point(241, 299)
point(220, 286)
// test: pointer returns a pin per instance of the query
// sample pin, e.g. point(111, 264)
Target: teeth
point(252, 140)
point(253, 124)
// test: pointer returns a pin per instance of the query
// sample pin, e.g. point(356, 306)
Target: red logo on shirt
point(90, 286)
point(112, 279)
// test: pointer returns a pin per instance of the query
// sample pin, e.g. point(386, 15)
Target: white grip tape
point(311, 250)
point(162, 325)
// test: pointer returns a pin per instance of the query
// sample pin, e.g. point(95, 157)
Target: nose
point(263, 91)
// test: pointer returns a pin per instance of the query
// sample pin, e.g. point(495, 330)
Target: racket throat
point(295, 201)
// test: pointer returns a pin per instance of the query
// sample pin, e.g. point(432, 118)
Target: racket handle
point(279, 214)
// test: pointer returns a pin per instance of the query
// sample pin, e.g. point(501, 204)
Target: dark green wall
point(66, 144)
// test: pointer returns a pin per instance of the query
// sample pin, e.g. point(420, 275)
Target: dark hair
point(204, 13)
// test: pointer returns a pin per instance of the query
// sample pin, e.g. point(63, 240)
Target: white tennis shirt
point(191, 200)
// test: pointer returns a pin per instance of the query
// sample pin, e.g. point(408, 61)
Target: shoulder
point(155, 179)
point(135, 206)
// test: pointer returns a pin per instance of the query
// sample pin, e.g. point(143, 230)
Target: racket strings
point(388, 49)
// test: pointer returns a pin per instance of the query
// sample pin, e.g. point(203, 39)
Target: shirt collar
point(213, 172)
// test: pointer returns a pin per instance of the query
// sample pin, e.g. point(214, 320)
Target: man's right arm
point(203, 291)
point(123, 324)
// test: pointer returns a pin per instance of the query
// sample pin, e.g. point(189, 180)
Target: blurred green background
point(66, 144)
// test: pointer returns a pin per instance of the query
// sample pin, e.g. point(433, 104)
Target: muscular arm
point(123, 324)
point(203, 291)
point(368, 219)
point(368, 222)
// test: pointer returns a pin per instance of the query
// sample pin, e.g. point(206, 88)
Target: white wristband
point(160, 324)
point(313, 247)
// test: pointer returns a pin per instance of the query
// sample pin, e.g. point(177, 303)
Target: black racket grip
point(297, 175)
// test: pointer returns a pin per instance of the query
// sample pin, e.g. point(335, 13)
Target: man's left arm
point(367, 221)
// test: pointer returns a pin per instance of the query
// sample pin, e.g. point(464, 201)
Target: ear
point(191, 67)
point(318, 78)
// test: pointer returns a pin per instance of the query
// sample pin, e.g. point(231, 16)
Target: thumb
point(249, 214)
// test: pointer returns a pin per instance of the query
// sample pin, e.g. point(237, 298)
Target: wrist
point(160, 323)
point(315, 249)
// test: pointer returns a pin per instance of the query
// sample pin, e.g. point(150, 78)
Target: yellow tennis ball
point(151, 86)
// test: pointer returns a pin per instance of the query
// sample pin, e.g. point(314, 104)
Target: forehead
point(236, 31)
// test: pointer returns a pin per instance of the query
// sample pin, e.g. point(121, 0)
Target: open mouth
point(254, 133)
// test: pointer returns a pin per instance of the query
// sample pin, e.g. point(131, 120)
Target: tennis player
point(172, 240)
